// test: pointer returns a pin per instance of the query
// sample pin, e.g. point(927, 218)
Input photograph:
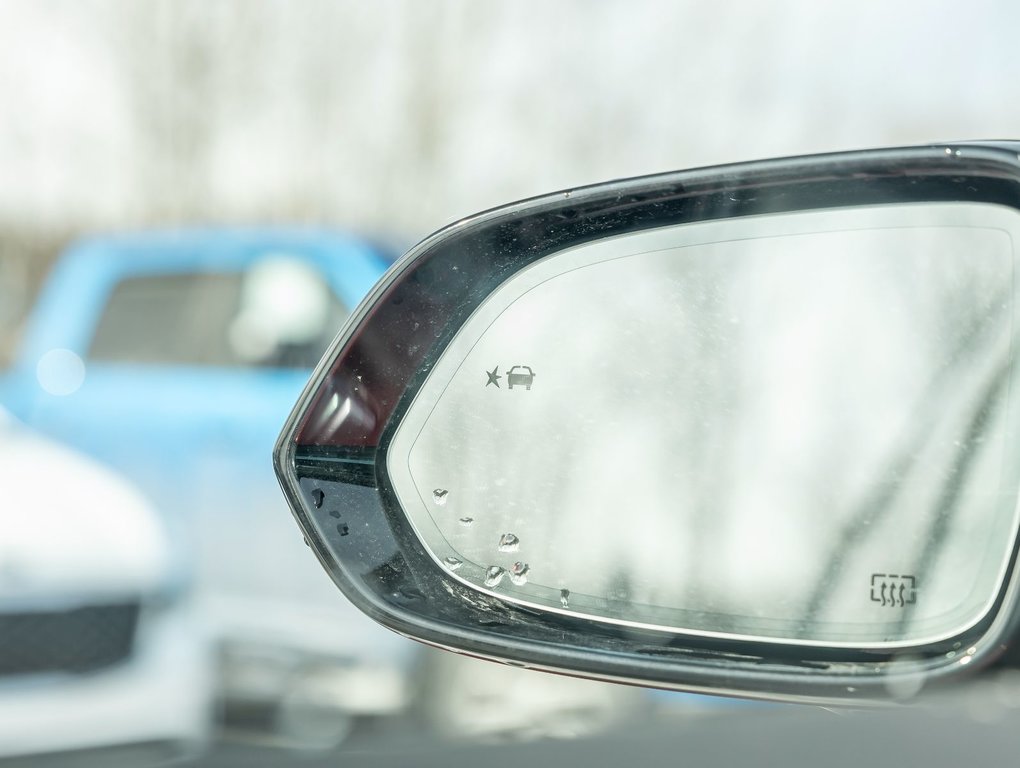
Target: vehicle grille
point(75, 640)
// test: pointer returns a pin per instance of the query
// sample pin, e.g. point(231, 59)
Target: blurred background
point(177, 176)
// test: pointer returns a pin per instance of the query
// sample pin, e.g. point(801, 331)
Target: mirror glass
point(793, 427)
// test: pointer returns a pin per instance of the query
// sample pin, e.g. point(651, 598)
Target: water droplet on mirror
point(317, 496)
point(508, 542)
point(466, 521)
point(519, 573)
point(439, 496)
point(564, 597)
point(411, 593)
point(453, 563)
point(494, 575)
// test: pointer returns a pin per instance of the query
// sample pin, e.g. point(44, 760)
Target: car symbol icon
point(517, 376)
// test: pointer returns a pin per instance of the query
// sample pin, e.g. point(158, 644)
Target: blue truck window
point(217, 319)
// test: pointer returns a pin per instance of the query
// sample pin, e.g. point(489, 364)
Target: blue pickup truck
point(174, 358)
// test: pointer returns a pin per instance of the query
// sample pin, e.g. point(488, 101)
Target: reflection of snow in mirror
point(735, 426)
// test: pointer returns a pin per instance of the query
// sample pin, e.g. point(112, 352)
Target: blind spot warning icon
point(520, 375)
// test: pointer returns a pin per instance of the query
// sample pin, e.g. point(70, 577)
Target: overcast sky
point(400, 116)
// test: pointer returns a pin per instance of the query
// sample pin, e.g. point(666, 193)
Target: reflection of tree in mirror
point(764, 423)
point(972, 343)
point(971, 449)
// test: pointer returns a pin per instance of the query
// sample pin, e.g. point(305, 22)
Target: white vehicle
point(149, 352)
point(98, 643)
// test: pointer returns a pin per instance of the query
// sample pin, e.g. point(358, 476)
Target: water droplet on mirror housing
point(494, 575)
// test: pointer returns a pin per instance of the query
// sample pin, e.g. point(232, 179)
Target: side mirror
point(749, 429)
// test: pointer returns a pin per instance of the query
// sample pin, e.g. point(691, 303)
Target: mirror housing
point(395, 474)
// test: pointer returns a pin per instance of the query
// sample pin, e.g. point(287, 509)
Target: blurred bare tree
point(399, 116)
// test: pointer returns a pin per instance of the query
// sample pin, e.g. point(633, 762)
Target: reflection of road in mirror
point(775, 410)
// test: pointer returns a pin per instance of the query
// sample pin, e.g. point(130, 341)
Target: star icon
point(494, 377)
